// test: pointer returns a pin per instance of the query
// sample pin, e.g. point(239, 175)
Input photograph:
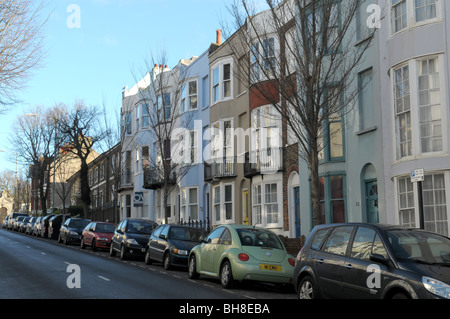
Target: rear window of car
point(319, 237)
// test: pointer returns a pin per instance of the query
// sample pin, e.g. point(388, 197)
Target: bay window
point(419, 117)
point(408, 13)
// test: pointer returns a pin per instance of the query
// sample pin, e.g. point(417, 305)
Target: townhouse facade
point(229, 125)
point(103, 176)
point(414, 80)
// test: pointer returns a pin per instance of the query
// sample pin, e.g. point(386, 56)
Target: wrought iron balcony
point(220, 168)
point(154, 178)
point(263, 161)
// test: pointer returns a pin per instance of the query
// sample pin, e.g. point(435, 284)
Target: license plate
point(270, 267)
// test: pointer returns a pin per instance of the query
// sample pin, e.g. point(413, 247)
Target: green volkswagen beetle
point(241, 252)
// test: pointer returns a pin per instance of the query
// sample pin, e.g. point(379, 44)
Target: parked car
point(373, 261)
point(54, 225)
point(97, 235)
point(71, 230)
point(131, 237)
point(17, 222)
point(5, 223)
point(171, 245)
point(22, 224)
point(241, 252)
point(30, 225)
point(44, 225)
point(12, 218)
point(37, 227)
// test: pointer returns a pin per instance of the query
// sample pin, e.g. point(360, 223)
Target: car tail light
point(292, 262)
point(243, 257)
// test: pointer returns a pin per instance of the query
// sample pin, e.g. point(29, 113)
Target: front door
point(372, 201)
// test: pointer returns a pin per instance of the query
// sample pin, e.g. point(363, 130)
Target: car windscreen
point(259, 238)
point(139, 227)
point(181, 233)
point(420, 247)
point(79, 223)
point(104, 228)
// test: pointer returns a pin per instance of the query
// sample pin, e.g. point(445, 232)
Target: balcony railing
point(263, 161)
point(154, 178)
point(220, 168)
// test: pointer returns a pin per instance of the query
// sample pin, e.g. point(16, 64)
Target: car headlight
point(132, 241)
point(73, 233)
point(436, 287)
point(181, 252)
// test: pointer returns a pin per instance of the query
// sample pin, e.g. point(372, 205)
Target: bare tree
point(303, 59)
point(81, 129)
point(34, 140)
point(15, 187)
point(21, 44)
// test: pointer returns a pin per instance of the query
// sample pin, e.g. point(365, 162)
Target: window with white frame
point(222, 143)
point(223, 198)
point(262, 58)
point(128, 123)
point(402, 106)
point(189, 203)
point(418, 117)
point(265, 204)
point(189, 98)
point(434, 204)
point(399, 15)
point(425, 9)
point(434, 200)
point(222, 81)
point(406, 13)
point(429, 106)
point(406, 202)
point(145, 116)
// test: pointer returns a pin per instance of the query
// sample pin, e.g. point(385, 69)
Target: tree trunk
point(315, 187)
point(85, 189)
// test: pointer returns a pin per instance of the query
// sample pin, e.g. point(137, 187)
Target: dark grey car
point(71, 230)
point(131, 237)
point(373, 261)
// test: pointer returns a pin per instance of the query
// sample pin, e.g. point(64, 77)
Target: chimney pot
point(219, 36)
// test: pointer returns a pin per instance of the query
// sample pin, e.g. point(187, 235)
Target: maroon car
point(97, 235)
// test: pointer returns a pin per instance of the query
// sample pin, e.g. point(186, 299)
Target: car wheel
point(147, 259)
point(166, 261)
point(307, 289)
point(112, 252)
point(192, 270)
point(400, 295)
point(82, 245)
point(123, 255)
point(93, 245)
point(59, 239)
point(226, 275)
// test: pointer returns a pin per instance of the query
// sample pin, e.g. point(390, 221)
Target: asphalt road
point(38, 268)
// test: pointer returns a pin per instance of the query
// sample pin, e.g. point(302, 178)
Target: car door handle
point(348, 266)
point(320, 260)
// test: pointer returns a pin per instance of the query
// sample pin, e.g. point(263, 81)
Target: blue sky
point(94, 62)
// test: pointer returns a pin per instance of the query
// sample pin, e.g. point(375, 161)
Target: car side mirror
point(379, 259)
point(163, 236)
